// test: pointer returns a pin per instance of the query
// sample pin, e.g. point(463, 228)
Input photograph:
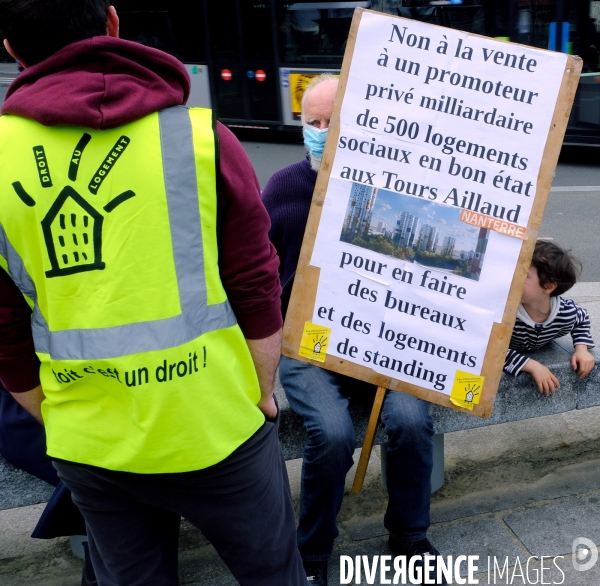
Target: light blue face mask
point(314, 139)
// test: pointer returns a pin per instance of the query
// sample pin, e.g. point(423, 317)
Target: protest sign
point(437, 168)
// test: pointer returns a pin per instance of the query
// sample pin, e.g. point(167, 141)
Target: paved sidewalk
point(514, 490)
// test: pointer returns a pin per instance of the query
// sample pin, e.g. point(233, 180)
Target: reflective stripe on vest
point(143, 367)
point(196, 318)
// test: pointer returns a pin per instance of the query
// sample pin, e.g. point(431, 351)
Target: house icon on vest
point(72, 231)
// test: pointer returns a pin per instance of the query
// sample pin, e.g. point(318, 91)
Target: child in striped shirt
point(544, 316)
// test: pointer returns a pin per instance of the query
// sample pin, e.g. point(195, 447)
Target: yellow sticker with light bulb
point(315, 339)
point(466, 389)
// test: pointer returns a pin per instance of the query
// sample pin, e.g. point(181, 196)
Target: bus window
point(148, 23)
point(176, 26)
point(188, 24)
point(468, 15)
point(533, 23)
point(153, 29)
point(316, 32)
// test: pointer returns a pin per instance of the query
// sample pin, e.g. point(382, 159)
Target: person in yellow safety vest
point(133, 226)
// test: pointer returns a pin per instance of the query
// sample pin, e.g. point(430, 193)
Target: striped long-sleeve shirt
point(566, 317)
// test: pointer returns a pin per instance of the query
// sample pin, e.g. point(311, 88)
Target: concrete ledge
point(517, 399)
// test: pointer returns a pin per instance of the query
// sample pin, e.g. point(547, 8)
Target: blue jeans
point(321, 398)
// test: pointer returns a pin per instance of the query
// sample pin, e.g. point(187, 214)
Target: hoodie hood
point(98, 83)
point(555, 303)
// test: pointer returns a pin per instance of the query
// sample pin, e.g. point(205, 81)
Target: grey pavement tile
point(202, 564)
point(517, 398)
point(19, 489)
point(586, 422)
point(556, 571)
point(367, 547)
point(482, 537)
point(223, 581)
point(526, 570)
point(551, 529)
point(58, 568)
point(360, 528)
point(64, 578)
point(16, 526)
point(590, 395)
point(573, 577)
point(482, 578)
point(334, 577)
point(566, 343)
point(566, 481)
point(589, 387)
point(555, 352)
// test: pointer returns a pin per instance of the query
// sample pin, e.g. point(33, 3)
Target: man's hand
point(31, 401)
point(547, 383)
point(582, 360)
point(265, 354)
point(268, 407)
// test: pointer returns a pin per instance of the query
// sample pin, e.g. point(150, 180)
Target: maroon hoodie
point(104, 83)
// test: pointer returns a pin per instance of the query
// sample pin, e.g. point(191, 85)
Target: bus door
point(243, 63)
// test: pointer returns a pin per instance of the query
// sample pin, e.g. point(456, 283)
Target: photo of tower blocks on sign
point(414, 229)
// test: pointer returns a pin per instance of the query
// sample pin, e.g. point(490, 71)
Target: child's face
point(533, 291)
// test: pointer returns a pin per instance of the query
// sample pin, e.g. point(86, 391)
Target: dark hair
point(37, 29)
point(555, 265)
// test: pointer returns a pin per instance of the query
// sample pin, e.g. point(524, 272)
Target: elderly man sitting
point(321, 397)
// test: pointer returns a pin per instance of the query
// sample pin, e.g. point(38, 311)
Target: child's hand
point(582, 361)
point(547, 383)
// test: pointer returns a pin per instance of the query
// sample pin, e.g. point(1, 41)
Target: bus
point(250, 60)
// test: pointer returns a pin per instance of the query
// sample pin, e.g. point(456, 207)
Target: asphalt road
point(572, 215)
point(268, 157)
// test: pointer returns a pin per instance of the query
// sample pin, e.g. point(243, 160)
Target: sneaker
point(409, 549)
point(316, 572)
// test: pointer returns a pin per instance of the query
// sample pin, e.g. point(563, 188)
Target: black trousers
point(242, 505)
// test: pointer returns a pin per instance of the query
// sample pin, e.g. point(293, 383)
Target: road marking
point(575, 188)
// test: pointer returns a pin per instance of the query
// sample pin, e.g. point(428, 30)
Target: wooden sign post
point(365, 454)
point(437, 168)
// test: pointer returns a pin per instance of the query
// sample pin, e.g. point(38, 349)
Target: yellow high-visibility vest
point(111, 236)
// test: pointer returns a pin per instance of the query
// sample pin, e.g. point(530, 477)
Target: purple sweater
point(287, 197)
